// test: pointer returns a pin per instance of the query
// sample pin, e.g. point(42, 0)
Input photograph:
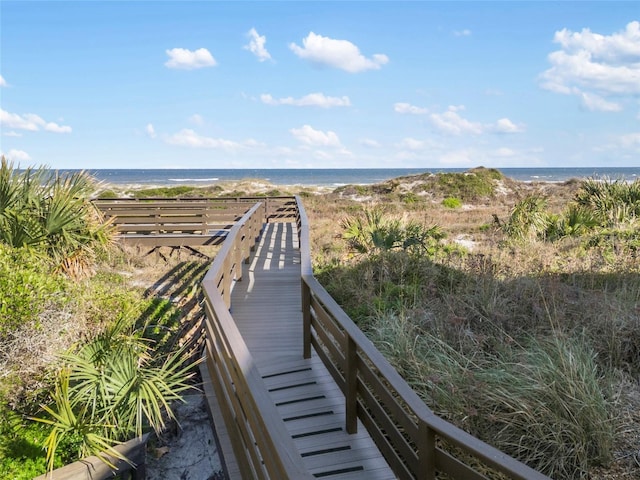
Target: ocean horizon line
point(333, 177)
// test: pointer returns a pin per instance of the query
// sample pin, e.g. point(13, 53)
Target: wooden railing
point(176, 222)
point(415, 442)
point(95, 468)
point(262, 446)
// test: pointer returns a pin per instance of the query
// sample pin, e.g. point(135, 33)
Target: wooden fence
point(185, 222)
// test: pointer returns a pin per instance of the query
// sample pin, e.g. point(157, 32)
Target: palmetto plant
point(598, 205)
point(528, 219)
point(111, 389)
point(73, 425)
point(52, 213)
point(374, 233)
point(613, 202)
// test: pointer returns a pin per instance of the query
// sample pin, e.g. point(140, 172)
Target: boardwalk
point(304, 393)
point(279, 415)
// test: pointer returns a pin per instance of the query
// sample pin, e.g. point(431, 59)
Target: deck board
point(266, 306)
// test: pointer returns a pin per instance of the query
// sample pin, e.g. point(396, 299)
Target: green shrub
point(615, 240)
point(362, 189)
point(476, 183)
point(21, 454)
point(177, 191)
point(107, 194)
point(410, 198)
point(28, 286)
point(452, 202)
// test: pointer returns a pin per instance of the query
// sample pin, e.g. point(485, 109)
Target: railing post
point(306, 320)
point(239, 251)
point(426, 451)
point(351, 388)
point(247, 242)
point(226, 281)
point(251, 237)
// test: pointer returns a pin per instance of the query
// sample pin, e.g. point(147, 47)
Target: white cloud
point(452, 123)
point(309, 136)
point(596, 103)
point(3, 82)
point(411, 144)
point(30, 122)
point(25, 122)
point(504, 125)
point(196, 119)
point(12, 134)
point(409, 109)
point(630, 141)
point(313, 99)
point(370, 143)
point(462, 33)
point(189, 138)
point(256, 45)
point(54, 127)
point(458, 157)
point(150, 130)
point(184, 59)
point(253, 143)
point(340, 54)
point(18, 155)
point(592, 66)
point(620, 47)
point(504, 152)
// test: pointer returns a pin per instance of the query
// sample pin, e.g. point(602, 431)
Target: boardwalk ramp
point(296, 389)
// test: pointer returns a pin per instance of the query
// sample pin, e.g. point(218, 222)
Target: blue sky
point(319, 84)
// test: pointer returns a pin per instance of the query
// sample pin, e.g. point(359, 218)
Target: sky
point(301, 84)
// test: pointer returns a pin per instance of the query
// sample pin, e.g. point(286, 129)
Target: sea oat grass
point(545, 401)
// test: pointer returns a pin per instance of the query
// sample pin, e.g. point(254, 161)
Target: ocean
point(336, 177)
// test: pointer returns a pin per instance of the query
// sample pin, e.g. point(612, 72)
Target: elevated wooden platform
point(266, 306)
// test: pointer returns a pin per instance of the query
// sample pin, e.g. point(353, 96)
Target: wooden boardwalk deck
point(266, 306)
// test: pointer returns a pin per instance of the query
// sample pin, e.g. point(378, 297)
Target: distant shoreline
point(332, 178)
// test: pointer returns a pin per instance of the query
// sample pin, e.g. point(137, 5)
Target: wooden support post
point(426, 451)
point(306, 320)
point(226, 281)
point(239, 251)
point(351, 388)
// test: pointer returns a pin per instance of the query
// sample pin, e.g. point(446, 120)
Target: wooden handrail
point(263, 447)
point(185, 222)
point(94, 468)
point(415, 442)
point(277, 208)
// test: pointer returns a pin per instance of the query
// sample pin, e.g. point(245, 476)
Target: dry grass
point(500, 294)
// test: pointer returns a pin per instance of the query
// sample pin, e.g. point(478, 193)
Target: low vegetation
point(88, 357)
point(526, 334)
point(610, 207)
